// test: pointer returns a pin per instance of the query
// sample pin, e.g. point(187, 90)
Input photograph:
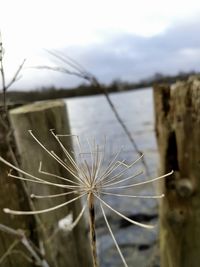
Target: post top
point(38, 106)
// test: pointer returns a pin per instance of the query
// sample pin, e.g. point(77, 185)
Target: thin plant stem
point(54, 175)
point(9, 251)
point(113, 237)
point(140, 183)
point(15, 212)
point(131, 196)
point(21, 237)
point(79, 71)
point(123, 216)
point(54, 195)
point(92, 229)
point(7, 133)
point(123, 180)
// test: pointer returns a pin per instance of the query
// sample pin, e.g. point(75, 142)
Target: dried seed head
point(93, 176)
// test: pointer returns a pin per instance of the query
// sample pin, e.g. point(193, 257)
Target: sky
point(113, 39)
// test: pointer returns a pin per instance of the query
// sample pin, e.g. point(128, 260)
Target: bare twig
point(60, 69)
point(121, 122)
point(15, 77)
point(2, 72)
point(82, 73)
point(8, 131)
point(9, 250)
point(21, 237)
point(5, 122)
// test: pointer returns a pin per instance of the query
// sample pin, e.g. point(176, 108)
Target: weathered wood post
point(177, 113)
point(62, 249)
point(12, 193)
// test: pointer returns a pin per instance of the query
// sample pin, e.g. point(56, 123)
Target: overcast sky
point(113, 39)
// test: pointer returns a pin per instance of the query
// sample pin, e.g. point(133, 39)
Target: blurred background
point(124, 40)
point(127, 46)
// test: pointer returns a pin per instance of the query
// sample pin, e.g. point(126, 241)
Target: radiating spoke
point(53, 155)
point(55, 195)
point(41, 181)
point(34, 178)
point(17, 212)
point(54, 175)
point(140, 183)
point(113, 168)
point(74, 224)
point(113, 237)
point(123, 216)
point(123, 180)
point(69, 157)
point(110, 164)
point(127, 167)
point(132, 196)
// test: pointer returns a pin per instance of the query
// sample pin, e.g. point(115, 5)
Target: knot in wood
point(184, 187)
point(176, 217)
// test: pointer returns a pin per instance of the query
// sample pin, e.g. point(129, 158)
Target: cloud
point(131, 57)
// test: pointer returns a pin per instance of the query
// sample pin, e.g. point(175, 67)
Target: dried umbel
point(94, 178)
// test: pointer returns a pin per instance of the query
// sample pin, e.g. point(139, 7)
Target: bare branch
point(9, 250)
point(84, 74)
point(21, 237)
point(8, 134)
point(3, 78)
point(60, 69)
point(16, 75)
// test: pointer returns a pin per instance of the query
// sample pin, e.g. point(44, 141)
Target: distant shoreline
point(22, 97)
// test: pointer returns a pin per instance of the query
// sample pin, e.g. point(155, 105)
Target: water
point(92, 117)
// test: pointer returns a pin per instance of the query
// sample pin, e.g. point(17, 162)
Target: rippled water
point(92, 117)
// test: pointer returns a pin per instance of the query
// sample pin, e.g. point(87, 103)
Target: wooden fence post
point(12, 194)
point(62, 249)
point(177, 113)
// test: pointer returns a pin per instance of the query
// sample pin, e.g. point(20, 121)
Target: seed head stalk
point(92, 228)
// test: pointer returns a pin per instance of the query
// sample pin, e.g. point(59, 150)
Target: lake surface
point(92, 117)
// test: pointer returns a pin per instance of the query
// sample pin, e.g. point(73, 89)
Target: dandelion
point(94, 178)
